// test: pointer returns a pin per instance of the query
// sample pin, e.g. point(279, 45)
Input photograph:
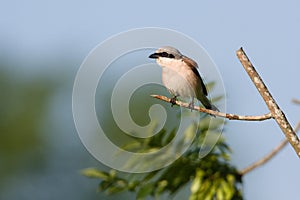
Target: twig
point(269, 100)
point(267, 157)
point(216, 113)
point(296, 101)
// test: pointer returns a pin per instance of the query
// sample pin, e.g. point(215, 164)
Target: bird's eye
point(164, 54)
point(171, 56)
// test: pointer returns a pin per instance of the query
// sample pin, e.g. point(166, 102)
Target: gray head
point(166, 51)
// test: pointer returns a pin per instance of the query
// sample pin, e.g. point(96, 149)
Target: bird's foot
point(191, 106)
point(173, 101)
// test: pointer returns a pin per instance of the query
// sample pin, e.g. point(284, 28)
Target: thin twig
point(296, 101)
point(277, 113)
point(216, 113)
point(269, 156)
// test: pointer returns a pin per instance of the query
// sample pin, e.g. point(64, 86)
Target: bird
point(181, 77)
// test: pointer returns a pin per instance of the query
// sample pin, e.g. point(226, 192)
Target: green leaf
point(195, 187)
point(119, 186)
point(161, 186)
point(132, 185)
point(145, 190)
point(95, 173)
point(112, 173)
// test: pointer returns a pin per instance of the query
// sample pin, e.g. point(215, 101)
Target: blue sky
point(33, 31)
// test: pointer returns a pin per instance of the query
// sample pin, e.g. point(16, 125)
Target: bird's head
point(166, 55)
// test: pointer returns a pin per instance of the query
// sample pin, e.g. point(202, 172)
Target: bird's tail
point(213, 107)
point(207, 104)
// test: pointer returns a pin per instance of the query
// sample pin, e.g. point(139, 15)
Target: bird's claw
point(191, 106)
point(173, 101)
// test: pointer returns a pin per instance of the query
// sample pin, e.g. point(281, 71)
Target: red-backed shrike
point(181, 77)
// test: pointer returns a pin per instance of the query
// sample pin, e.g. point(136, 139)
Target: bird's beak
point(154, 56)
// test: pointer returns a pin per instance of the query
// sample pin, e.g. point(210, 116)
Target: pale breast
point(180, 81)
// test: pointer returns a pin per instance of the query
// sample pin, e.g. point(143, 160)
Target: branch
point(216, 113)
point(296, 101)
point(270, 101)
point(267, 157)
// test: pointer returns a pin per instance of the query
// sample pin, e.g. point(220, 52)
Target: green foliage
point(22, 109)
point(210, 177)
point(204, 167)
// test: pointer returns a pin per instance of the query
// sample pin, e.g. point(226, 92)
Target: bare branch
point(269, 156)
point(219, 114)
point(296, 101)
point(270, 101)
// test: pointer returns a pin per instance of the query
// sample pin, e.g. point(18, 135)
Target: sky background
point(33, 33)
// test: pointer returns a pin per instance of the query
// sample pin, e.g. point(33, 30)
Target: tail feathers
point(213, 107)
point(207, 104)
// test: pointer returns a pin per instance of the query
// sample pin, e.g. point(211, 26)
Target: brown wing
point(193, 65)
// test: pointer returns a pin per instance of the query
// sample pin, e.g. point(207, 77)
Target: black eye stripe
point(171, 56)
point(165, 54)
